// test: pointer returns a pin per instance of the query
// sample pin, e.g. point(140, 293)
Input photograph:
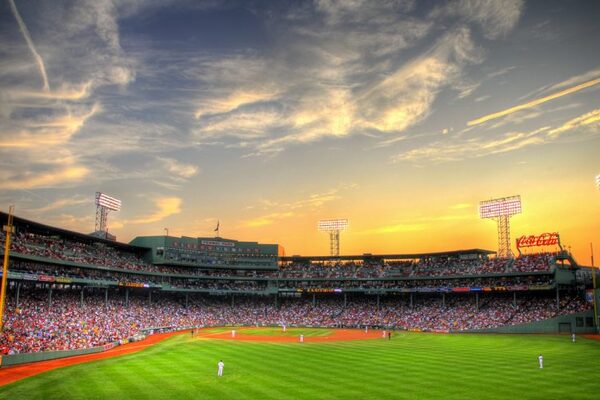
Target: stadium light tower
point(501, 210)
point(333, 227)
point(105, 204)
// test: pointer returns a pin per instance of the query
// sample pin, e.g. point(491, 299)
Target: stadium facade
point(208, 252)
point(216, 281)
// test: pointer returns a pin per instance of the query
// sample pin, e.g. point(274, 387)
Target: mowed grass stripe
point(409, 366)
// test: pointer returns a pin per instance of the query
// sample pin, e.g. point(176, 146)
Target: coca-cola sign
point(545, 239)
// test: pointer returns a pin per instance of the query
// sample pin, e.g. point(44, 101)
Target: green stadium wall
point(17, 359)
point(561, 324)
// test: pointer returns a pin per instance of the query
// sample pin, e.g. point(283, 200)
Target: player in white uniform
point(233, 333)
point(541, 361)
point(220, 364)
point(301, 338)
point(573, 338)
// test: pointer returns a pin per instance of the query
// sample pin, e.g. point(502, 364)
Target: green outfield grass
point(410, 366)
point(278, 331)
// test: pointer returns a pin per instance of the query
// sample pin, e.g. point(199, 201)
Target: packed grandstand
point(70, 291)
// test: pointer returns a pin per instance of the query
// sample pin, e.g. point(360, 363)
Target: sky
point(265, 117)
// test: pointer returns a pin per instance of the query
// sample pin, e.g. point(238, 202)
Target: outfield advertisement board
point(428, 289)
point(589, 295)
point(134, 284)
point(542, 240)
point(322, 290)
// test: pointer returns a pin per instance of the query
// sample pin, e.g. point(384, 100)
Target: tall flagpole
point(8, 228)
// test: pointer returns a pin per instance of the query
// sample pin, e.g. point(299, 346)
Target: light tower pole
point(8, 228)
point(501, 210)
point(333, 227)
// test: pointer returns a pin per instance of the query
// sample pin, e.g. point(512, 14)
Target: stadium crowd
point(113, 261)
point(67, 322)
point(426, 267)
point(52, 313)
point(501, 281)
point(47, 272)
point(100, 255)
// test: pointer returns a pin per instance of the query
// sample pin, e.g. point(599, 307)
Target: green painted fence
point(573, 323)
point(16, 359)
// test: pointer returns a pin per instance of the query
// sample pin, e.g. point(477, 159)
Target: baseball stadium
point(90, 317)
point(313, 199)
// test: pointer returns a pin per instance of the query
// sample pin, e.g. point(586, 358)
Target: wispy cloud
point(40, 128)
point(393, 104)
point(233, 101)
point(461, 206)
point(500, 72)
point(38, 59)
point(495, 18)
point(46, 179)
point(48, 131)
point(405, 97)
point(66, 92)
point(61, 203)
point(283, 210)
point(165, 207)
point(267, 219)
point(533, 103)
point(347, 77)
point(474, 147)
point(590, 120)
point(179, 169)
point(574, 80)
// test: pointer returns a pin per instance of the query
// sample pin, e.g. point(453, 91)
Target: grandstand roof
point(82, 237)
point(410, 256)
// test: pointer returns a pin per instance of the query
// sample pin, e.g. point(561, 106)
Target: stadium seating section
point(119, 294)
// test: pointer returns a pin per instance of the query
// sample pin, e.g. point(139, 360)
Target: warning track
point(18, 372)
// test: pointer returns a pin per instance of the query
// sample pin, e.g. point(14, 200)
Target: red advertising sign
point(46, 278)
point(545, 239)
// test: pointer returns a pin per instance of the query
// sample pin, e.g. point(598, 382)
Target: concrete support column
point(233, 300)
point(345, 300)
point(126, 297)
point(515, 299)
point(378, 308)
point(187, 298)
point(49, 296)
point(477, 301)
point(81, 297)
point(105, 297)
point(557, 299)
